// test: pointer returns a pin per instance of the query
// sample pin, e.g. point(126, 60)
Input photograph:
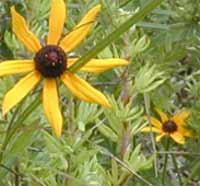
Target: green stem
point(124, 3)
point(122, 163)
point(11, 130)
point(10, 124)
point(194, 171)
point(165, 160)
point(176, 169)
point(115, 34)
point(24, 115)
point(147, 108)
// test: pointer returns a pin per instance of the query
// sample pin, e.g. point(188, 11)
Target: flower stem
point(176, 169)
point(167, 144)
point(147, 108)
point(194, 171)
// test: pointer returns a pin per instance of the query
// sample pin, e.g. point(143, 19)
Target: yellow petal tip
point(57, 127)
point(144, 129)
point(126, 62)
point(105, 103)
point(13, 11)
point(5, 109)
point(12, 8)
point(98, 7)
point(4, 112)
point(145, 118)
point(108, 105)
point(58, 134)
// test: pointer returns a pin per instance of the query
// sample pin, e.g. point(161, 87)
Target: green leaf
point(108, 132)
point(115, 172)
point(148, 78)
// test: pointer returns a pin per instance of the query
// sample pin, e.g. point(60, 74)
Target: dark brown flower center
point(51, 61)
point(169, 126)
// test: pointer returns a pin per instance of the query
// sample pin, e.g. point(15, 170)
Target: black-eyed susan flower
point(51, 62)
point(174, 126)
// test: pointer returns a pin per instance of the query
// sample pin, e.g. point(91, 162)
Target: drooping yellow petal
point(83, 90)
point(163, 116)
point(80, 31)
point(154, 122)
point(20, 90)
point(180, 117)
point(158, 138)
point(185, 132)
point(149, 129)
point(178, 137)
point(51, 105)
point(23, 33)
point(56, 21)
point(16, 67)
point(99, 65)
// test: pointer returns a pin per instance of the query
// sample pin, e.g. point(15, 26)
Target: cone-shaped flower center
point(51, 61)
point(169, 127)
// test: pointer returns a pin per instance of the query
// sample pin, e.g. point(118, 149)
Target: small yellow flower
point(51, 62)
point(170, 126)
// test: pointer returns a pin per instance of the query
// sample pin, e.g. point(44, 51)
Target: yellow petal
point(149, 129)
point(99, 65)
point(23, 33)
point(185, 132)
point(163, 116)
point(179, 118)
point(20, 90)
point(178, 137)
point(16, 67)
point(71, 61)
point(154, 122)
point(80, 31)
point(158, 138)
point(83, 90)
point(51, 105)
point(56, 21)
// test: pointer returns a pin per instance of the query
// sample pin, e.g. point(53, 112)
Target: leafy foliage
point(104, 147)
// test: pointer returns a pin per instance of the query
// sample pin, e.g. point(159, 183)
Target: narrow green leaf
point(115, 173)
point(106, 131)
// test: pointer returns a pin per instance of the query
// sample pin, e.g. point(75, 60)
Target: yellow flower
point(170, 126)
point(51, 62)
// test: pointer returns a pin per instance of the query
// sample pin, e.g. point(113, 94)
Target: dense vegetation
point(100, 146)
